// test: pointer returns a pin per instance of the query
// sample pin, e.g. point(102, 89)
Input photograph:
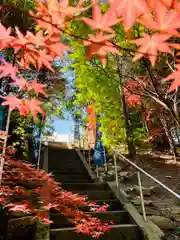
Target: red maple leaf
point(176, 76)
point(98, 45)
point(165, 21)
point(12, 101)
point(150, 45)
point(43, 216)
point(37, 87)
point(21, 207)
point(130, 10)
point(102, 22)
point(8, 70)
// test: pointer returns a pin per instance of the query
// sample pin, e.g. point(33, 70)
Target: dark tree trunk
point(127, 120)
point(129, 132)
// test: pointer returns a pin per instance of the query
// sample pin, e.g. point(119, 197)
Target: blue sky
point(65, 126)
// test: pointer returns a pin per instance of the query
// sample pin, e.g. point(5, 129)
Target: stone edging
point(149, 229)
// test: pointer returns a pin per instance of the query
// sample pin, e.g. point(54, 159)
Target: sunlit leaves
point(37, 87)
point(25, 106)
point(101, 22)
point(176, 77)
point(150, 46)
point(8, 70)
point(55, 20)
point(99, 46)
point(5, 38)
point(129, 10)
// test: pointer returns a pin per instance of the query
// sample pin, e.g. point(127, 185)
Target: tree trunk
point(127, 121)
point(129, 132)
point(42, 232)
point(169, 136)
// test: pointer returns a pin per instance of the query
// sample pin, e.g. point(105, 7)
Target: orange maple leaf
point(69, 11)
point(37, 87)
point(130, 10)
point(21, 82)
point(102, 22)
point(176, 76)
point(98, 45)
point(8, 70)
point(165, 21)
point(35, 107)
point(54, 46)
point(12, 101)
point(166, 3)
point(24, 107)
point(5, 38)
point(150, 45)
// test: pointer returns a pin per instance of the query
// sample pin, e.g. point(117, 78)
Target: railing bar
point(141, 196)
point(115, 166)
point(150, 176)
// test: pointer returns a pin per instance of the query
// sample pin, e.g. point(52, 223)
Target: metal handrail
point(149, 175)
point(140, 170)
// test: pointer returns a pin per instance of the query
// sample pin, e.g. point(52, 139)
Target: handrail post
point(141, 196)
point(89, 157)
point(116, 173)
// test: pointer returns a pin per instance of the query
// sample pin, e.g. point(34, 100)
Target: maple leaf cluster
point(132, 92)
point(34, 192)
point(161, 18)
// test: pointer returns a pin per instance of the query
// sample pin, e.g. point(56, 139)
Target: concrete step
point(117, 232)
point(74, 187)
point(118, 217)
point(98, 195)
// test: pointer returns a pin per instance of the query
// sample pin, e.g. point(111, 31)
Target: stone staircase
point(68, 168)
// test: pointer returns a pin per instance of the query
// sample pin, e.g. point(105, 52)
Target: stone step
point(114, 205)
point(72, 177)
point(118, 217)
point(71, 167)
point(67, 180)
point(98, 195)
point(117, 232)
point(68, 171)
point(65, 164)
point(85, 186)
